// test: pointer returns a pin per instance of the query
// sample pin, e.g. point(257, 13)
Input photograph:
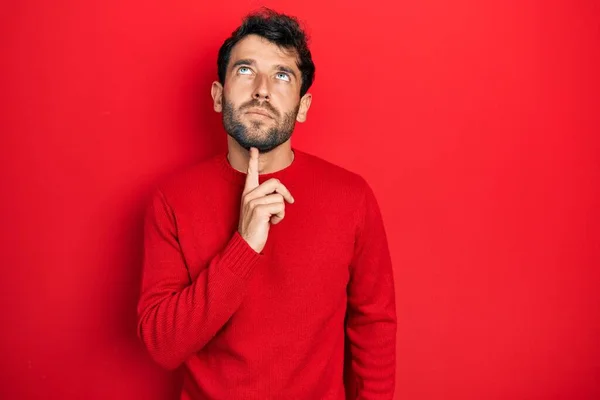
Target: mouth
point(259, 113)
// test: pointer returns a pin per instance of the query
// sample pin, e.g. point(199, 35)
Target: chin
point(262, 147)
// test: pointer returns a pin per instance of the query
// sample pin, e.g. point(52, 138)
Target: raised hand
point(261, 206)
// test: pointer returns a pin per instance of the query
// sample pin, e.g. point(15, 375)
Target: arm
point(371, 316)
point(178, 317)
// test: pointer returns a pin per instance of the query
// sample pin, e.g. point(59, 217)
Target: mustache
point(255, 103)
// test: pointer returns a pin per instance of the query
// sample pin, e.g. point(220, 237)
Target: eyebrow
point(251, 62)
point(243, 61)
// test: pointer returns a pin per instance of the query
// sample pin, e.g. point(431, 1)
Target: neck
point(273, 161)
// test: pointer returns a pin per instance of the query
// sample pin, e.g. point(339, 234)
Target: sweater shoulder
point(335, 176)
point(191, 179)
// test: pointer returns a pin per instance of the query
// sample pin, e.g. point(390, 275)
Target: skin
point(262, 89)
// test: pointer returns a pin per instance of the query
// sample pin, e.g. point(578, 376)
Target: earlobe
point(216, 92)
point(304, 106)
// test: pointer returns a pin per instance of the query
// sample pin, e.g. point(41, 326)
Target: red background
point(476, 123)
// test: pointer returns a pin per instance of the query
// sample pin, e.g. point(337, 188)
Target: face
point(261, 100)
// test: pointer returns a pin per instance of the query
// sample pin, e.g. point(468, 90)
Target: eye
point(283, 76)
point(244, 71)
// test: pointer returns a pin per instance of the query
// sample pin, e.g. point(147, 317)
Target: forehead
point(263, 52)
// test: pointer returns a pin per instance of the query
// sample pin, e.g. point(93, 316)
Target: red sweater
point(270, 325)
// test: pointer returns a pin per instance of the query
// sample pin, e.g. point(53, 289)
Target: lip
point(259, 112)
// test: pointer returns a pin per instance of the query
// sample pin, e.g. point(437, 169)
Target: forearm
point(372, 345)
point(176, 324)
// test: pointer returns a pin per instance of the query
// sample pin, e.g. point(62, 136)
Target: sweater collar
point(233, 175)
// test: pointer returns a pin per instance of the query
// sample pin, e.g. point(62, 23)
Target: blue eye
point(283, 76)
point(244, 70)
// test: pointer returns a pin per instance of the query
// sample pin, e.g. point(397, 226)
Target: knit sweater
point(310, 317)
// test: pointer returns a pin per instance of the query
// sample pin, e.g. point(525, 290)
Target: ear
point(216, 91)
point(304, 106)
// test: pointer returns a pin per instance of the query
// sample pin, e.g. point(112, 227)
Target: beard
point(255, 133)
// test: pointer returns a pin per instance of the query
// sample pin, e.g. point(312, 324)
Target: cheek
point(238, 90)
point(285, 98)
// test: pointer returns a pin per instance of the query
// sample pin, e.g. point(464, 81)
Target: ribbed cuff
point(239, 257)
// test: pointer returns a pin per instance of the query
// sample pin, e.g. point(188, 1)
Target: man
point(263, 265)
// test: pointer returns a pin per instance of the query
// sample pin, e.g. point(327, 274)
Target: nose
point(261, 90)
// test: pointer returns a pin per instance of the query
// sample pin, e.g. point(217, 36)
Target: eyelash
point(278, 73)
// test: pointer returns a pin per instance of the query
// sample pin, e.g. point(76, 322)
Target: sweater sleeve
point(371, 314)
point(177, 316)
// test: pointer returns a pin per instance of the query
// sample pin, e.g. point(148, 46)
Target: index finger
point(252, 175)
